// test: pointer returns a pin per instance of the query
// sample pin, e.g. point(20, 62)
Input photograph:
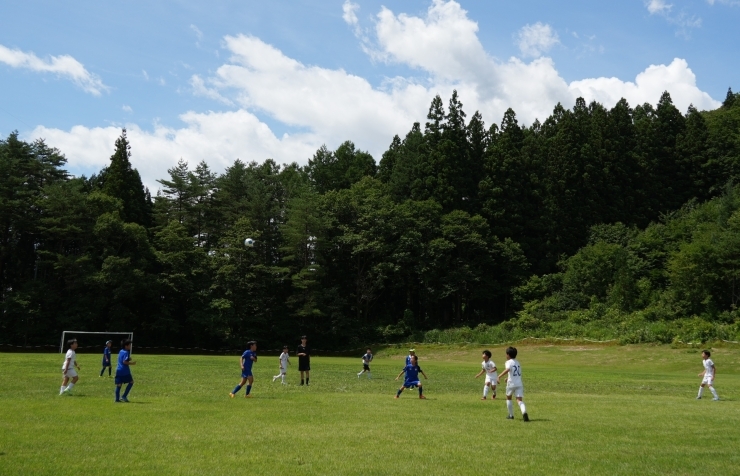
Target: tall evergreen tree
point(122, 181)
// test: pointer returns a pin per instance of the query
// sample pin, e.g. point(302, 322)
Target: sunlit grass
point(594, 410)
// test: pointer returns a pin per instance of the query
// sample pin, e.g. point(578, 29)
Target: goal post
point(75, 333)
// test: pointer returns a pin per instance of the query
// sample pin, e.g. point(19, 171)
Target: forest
point(610, 223)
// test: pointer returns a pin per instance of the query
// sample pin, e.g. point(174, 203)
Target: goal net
point(66, 335)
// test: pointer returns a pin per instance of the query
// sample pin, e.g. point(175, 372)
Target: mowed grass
point(594, 410)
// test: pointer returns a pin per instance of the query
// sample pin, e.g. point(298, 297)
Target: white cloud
point(348, 13)
point(127, 108)
point(329, 106)
point(534, 40)
point(731, 3)
point(145, 74)
point(63, 66)
point(658, 6)
point(218, 138)
point(200, 89)
point(196, 30)
point(683, 21)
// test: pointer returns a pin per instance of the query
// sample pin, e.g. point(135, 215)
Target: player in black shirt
point(304, 359)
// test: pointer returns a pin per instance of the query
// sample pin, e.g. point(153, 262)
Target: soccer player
point(366, 359)
point(248, 358)
point(709, 372)
point(412, 371)
point(284, 362)
point(106, 358)
point(304, 359)
point(123, 371)
point(489, 368)
point(514, 386)
point(412, 353)
point(68, 368)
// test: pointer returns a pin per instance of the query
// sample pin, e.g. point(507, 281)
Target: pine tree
point(123, 182)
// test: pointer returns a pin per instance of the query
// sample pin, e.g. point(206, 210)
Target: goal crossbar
point(61, 343)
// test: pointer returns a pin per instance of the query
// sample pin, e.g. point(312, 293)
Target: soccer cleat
point(274, 378)
point(422, 397)
point(698, 398)
point(248, 396)
point(116, 401)
point(525, 416)
point(509, 417)
point(715, 399)
point(231, 395)
point(124, 400)
point(483, 398)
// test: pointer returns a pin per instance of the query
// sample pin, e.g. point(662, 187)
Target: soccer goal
point(66, 334)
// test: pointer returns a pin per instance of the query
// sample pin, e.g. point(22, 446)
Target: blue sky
point(252, 79)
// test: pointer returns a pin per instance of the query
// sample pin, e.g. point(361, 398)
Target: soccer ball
point(249, 242)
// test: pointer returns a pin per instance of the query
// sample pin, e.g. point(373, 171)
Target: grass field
point(594, 410)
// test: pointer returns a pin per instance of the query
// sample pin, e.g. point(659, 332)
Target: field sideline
point(594, 410)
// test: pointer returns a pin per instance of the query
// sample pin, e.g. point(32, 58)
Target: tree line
point(453, 226)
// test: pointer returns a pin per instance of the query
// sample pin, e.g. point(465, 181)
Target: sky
point(253, 80)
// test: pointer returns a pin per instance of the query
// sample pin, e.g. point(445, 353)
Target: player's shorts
point(304, 366)
point(366, 367)
point(707, 380)
point(121, 379)
point(71, 373)
point(106, 364)
point(246, 373)
point(491, 379)
point(412, 383)
point(517, 391)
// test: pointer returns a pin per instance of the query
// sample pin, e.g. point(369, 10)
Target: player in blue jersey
point(123, 371)
point(248, 358)
point(412, 371)
point(106, 358)
point(412, 353)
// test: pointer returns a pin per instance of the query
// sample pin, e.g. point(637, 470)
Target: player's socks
point(282, 378)
point(701, 390)
point(306, 380)
point(714, 392)
point(485, 391)
point(522, 408)
point(118, 393)
point(420, 391)
point(249, 389)
point(369, 375)
point(301, 381)
point(510, 407)
point(358, 375)
point(61, 390)
point(398, 394)
point(69, 388)
point(128, 389)
point(236, 389)
point(102, 371)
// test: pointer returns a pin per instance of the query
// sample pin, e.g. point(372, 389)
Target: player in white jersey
point(284, 362)
point(366, 359)
point(708, 376)
point(489, 368)
point(514, 386)
point(69, 368)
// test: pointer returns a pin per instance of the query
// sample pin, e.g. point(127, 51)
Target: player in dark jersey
point(304, 359)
